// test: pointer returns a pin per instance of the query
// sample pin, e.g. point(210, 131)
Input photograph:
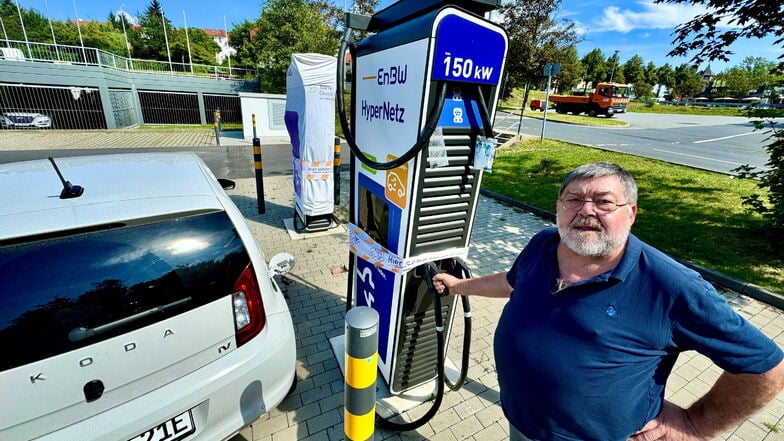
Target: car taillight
point(249, 317)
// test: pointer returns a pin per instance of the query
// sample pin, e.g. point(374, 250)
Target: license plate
point(175, 429)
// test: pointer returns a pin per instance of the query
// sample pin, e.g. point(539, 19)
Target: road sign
point(551, 69)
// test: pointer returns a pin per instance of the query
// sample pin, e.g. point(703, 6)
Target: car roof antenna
point(69, 190)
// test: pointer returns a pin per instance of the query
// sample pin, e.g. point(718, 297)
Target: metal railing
point(65, 54)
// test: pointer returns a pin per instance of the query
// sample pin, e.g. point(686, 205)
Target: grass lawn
point(689, 213)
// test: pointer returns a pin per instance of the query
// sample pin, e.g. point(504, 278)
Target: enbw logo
point(392, 75)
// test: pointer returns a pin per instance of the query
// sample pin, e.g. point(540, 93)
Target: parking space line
point(723, 138)
point(695, 156)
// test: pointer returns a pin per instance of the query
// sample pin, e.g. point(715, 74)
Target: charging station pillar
point(426, 61)
point(310, 121)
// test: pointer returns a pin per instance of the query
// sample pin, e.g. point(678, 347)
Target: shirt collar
point(629, 260)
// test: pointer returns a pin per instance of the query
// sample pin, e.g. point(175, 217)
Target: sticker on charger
point(361, 244)
point(484, 153)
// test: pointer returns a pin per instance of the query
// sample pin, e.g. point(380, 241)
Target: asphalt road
point(714, 143)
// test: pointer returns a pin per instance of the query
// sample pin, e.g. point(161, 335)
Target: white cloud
point(131, 19)
point(649, 16)
point(580, 28)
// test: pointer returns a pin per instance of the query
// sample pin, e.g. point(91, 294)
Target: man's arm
point(494, 285)
point(732, 399)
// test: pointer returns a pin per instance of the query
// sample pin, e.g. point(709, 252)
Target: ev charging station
point(424, 89)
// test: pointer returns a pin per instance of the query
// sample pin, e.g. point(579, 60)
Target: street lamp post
point(24, 31)
point(79, 28)
point(125, 33)
point(51, 28)
point(166, 37)
point(187, 39)
point(5, 34)
point(615, 61)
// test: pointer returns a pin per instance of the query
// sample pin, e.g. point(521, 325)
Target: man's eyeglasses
point(601, 205)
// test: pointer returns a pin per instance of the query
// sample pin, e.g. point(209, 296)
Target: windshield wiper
point(81, 333)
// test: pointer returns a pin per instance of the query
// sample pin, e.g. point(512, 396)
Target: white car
point(12, 54)
point(135, 303)
point(25, 120)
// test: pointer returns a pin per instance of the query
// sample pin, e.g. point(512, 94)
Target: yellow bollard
point(361, 372)
point(258, 166)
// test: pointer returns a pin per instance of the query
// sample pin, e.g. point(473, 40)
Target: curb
point(739, 286)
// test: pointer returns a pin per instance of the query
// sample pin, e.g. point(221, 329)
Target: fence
point(74, 108)
point(47, 107)
point(64, 54)
point(66, 87)
point(229, 106)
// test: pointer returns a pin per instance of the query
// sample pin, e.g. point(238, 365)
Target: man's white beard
point(594, 243)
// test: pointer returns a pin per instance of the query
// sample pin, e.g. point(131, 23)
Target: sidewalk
point(316, 291)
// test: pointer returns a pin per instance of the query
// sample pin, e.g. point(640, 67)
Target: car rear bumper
point(223, 397)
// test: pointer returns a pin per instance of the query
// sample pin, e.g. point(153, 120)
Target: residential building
point(221, 37)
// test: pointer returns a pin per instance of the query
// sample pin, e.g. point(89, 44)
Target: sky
point(632, 27)
point(641, 27)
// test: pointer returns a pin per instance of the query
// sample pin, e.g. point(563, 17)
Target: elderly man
point(596, 320)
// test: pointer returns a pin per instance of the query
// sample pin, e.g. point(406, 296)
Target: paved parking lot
point(316, 291)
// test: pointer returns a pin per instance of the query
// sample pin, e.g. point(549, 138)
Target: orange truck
point(606, 99)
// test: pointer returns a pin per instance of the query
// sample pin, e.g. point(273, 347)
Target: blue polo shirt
point(590, 362)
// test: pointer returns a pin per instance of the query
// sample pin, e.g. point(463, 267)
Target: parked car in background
point(135, 303)
point(12, 54)
point(538, 105)
point(24, 120)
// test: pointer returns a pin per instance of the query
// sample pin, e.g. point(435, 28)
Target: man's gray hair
point(599, 170)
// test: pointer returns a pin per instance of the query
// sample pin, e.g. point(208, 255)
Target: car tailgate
point(56, 390)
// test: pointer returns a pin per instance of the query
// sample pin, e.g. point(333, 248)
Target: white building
point(222, 39)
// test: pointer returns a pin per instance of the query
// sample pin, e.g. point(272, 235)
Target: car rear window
point(62, 293)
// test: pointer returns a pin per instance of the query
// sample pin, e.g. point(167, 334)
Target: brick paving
point(317, 294)
point(83, 139)
point(317, 299)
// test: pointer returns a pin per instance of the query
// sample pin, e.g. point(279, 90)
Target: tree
point(152, 34)
point(618, 75)
point(771, 181)
point(688, 81)
point(103, 36)
point(748, 18)
point(762, 72)
point(651, 76)
point(35, 24)
point(289, 27)
point(752, 19)
point(596, 69)
point(536, 38)
point(241, 37)
point(642, 89)
point(633, 70)
point(614, 68)
point(202, 47)
point(571, 70)
point(665, 76)
point(737, 82)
